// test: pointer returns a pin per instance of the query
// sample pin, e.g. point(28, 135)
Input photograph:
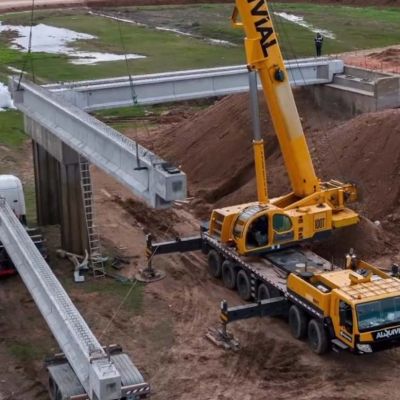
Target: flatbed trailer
point(314, 307)
point(65, 385)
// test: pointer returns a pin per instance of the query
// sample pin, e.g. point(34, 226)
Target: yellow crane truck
point(259, 248)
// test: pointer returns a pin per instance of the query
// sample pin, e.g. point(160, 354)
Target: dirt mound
point(365, 151)
point(391, 55)
point(367, 238)
point(215, 149)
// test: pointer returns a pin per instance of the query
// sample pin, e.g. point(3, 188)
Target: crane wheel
point(214, 264)
point(266, 291)
point(297, 322)
point(317, 337)
point(243, 285)
point(229, 274)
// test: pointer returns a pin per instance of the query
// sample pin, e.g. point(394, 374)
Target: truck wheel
point(214, 264)
point(229, 274)
point(317, 337)
point(243, 285)
point(297, 322)
point(267, 292)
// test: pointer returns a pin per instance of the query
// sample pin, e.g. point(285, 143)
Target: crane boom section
point(264, 55)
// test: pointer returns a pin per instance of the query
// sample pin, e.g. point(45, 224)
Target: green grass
point(164, 51)
point(12, 129)
point(132, 302)
point(26, 351)
point(355, 28)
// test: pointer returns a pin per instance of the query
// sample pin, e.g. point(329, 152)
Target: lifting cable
point(282, 28)
point(117, 311)
point(29, 51)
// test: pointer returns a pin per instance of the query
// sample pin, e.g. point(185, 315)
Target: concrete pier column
point(74, 236)
point(58, 187)
point(47, 178)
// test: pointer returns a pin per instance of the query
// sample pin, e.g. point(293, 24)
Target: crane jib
point(263, 25)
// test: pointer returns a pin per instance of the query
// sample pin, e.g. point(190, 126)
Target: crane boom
point(264, 55)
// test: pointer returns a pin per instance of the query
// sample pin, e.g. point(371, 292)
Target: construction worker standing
point(318, 44)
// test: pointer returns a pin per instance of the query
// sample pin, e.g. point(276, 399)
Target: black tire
point(297, 322)
point(243, 285)
point(229, 274)
point(266, 291)
point(214, 264)
point(317, 337)
point(53, 389)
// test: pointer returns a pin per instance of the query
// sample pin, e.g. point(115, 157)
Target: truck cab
point(358, 305)
point(11, 189)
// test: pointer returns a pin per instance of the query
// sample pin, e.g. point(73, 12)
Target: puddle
point(53, 40)
point(300, 21)
point(5, 98)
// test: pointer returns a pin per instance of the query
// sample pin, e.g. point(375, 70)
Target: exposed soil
point(165, 337)
point(382, 60)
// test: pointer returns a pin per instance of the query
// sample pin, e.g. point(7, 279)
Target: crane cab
point(257, 227)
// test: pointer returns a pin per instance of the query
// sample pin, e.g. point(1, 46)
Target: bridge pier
point(58, 187)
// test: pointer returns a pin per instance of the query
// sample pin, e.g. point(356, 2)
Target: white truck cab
point(11, 189)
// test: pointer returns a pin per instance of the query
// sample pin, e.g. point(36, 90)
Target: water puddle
point(53, 40)
point(300, 21)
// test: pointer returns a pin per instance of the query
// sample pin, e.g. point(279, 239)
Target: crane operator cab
point(260, 227)
point(256, 227)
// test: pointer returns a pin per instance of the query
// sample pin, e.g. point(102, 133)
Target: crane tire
point(229, 274)
point(317, 337)
point(297, 322)
point(214, 264)
point(243, 285)
point(266, 291)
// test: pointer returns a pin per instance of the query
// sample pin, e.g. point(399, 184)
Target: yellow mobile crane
point(255, 248)
point(313, 208)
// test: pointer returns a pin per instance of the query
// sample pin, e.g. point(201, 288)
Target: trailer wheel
point(243, 285)
point(317, 337)
point(297, 322)
point(214, 264)
point(266, 291)
point(229, 274)
point(53, 389)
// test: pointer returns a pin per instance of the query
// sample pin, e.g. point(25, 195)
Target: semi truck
point(12, 191)
point(260, 248)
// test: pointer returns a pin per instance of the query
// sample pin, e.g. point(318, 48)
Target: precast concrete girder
point(97, 374)
point(144, 173)
point(185, 85)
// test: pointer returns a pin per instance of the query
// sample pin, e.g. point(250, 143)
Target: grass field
point(355, 28)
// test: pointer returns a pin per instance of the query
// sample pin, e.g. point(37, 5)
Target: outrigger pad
point(147, 275)
point(222, 338)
